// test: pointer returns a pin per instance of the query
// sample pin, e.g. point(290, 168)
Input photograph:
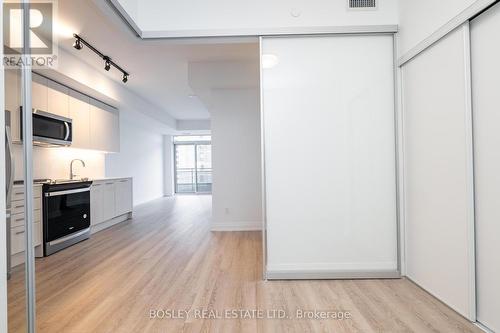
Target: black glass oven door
point(67, 213)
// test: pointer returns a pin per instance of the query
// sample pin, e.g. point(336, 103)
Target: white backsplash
point(54, 163)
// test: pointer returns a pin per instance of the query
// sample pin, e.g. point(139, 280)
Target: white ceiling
point(158, 68)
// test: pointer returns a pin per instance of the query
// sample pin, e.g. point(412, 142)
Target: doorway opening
point(193, 164)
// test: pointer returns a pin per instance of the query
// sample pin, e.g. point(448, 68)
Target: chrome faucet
point(71, 174)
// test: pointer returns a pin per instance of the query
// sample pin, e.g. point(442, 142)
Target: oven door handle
point(71, 236)
point(54, 194)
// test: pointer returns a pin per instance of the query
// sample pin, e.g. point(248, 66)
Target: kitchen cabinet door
point(96, 204)
point(13, 101)
point(109, 210)
point(18, 237)
point(105, 127)
point(79, 112)
point(123, 196)
point(58, 99)
point(39, 92)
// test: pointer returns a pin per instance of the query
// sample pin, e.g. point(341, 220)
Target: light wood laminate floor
point(167, 258)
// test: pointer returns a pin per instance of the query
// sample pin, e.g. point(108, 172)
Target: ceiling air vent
point(362, 4)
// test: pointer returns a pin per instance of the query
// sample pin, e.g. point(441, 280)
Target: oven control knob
point(84, 216)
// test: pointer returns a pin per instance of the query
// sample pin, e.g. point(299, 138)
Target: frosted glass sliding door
point(486, 113)
point(329, 142)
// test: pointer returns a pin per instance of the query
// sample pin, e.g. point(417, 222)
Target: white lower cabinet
point(17, 237)
point(110, 199)
point(17, 224)
point(109, 195)
point(96, 204)
point(123, 196)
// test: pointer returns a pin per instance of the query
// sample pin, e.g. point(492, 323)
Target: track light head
point(107, 64)
point(125, 78)
point(78, 44)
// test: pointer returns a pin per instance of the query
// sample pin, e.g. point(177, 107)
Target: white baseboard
point(331, 275)
point(110, 223)
point(319, 271)
point(237, 226)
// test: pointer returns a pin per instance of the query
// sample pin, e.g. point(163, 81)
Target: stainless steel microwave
point(50, 129)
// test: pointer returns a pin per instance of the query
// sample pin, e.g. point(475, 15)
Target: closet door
point(439, 208)
point(486, 113)
point(329, 142)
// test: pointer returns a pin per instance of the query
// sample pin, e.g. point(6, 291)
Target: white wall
point(259, 15)
point(193, 125)
point(54, 163)
point(419, 19)
point(141, 156)
point(168, 166)
point(236, 159)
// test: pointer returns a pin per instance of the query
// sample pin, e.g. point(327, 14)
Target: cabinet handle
point(19, 232)
point(19, 219)
point(19, 206)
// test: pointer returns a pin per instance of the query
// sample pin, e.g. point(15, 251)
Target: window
point(193, 164)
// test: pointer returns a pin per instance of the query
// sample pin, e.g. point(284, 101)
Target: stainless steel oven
point(66, 215)
point(50, 129)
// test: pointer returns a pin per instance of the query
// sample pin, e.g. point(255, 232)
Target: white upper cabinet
point(95, 125)
point(13, 101)
point(12, 89)
point(105, 125)
point(79, 112)
point(58, 99)
point(39, 93)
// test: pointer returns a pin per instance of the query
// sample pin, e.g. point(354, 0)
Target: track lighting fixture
point(79, 42)
point(107, 64)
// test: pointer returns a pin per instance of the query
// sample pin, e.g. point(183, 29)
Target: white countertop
point(103, 179)
point(22, 185)
point(109, 178)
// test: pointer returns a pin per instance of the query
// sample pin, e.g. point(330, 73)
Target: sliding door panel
point(328, 121)
point(486, 111)
point(438, 173)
